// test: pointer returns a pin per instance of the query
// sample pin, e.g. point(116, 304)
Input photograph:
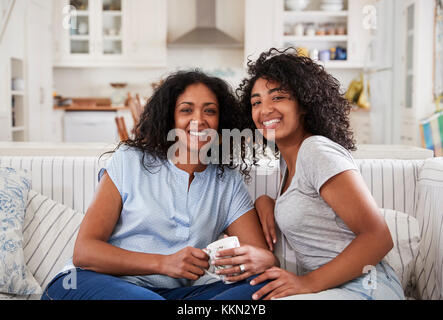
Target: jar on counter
point(288, 29)
point(341, 53)
point(325, 55)
point(299, 30)
point(310, 30)
point(118, 97)
point(333, 53)
point(341, 29)
point(321, 31)
point(330, 29)
point(303, 52)
point(314, 54)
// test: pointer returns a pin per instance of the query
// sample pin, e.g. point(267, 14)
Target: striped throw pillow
point(405, 234)
point(49, 234)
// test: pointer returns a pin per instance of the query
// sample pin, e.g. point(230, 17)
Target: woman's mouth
point(271, 124)
point(198, 133)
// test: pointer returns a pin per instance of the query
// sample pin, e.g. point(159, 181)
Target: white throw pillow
point(405, 234)
point(15, 278)
point(49, 234)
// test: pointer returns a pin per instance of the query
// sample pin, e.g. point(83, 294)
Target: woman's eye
point(256, 103)
point(211, 111)
point(186, 110)
point(278, 98)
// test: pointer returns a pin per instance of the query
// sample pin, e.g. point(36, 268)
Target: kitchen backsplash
point(92, 82)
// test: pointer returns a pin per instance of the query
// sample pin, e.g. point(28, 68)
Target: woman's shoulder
point(127, 154)
point(321, 153)
point(317, 146)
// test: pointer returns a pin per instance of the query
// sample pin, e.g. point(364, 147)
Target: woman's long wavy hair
point(317, 93)
point(157, 119)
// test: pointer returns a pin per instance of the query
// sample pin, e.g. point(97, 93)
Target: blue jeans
point(91, 285)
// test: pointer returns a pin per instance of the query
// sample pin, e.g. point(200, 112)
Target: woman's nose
point(197, 123)
point(267, 108)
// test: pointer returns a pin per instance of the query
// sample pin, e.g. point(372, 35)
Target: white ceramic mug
point(212, 249)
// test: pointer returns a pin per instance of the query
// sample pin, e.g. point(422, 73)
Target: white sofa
point(403, 185)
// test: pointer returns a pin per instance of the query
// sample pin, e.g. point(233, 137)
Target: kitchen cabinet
point(101, 33)
point(261, 34)
point(90, 126)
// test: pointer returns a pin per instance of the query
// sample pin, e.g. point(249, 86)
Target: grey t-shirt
point(313, 230)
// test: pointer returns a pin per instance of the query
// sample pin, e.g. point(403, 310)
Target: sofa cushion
point(15, 278)
point(405, 234)
point(49, 234)
point(429, 265)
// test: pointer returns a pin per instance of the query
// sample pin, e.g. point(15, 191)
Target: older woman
point(143, 235)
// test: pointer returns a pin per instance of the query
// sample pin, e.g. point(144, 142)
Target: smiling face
point(275, 111)
point(196, 111)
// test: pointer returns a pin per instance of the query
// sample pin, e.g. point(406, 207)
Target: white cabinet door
point(145, 32)
point(412, 68)
point(39, 72)
point(362, 19)
point(74, 33)
point(109, 24)
point(90, 126)
point(263, 26)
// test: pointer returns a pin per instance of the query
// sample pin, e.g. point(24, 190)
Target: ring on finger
point(242, 268)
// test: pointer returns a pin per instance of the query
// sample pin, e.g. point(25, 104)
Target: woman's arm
point(265, 209)
point(351, 200)
point(92, 251)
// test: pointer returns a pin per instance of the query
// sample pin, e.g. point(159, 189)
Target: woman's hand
point(188, 263)
point(254, 260)
point(265, 209)
point(284, 284)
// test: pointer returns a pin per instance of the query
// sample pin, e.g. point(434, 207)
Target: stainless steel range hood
point(206, 33)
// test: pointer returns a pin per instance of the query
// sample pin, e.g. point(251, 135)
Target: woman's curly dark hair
point(157, 119)
point(317, 93)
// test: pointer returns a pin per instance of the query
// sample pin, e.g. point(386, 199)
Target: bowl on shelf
point(332, 5)
point(296, 5)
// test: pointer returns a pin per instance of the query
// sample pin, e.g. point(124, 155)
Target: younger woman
point(323, 207)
